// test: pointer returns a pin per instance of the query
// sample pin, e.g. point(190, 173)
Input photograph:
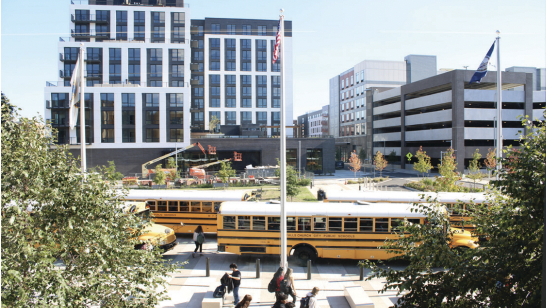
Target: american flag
point(277, 42)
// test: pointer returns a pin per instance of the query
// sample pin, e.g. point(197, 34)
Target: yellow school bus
point(457, 203)
point(184, 210)
point(319, 230)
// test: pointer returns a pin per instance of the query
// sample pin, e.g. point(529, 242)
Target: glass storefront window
point(314, 160)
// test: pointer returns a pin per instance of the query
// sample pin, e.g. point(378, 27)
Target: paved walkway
point(189, 286)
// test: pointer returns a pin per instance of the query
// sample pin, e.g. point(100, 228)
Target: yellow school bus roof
point(405, 196)
point(138, 207)
point(187, 195)
point(321, 209)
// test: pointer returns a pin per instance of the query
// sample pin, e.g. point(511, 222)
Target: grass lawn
point(304, 195)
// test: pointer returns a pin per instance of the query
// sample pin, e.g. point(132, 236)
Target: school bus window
point(207, 207)
point(273, 223)
point(319, 223)
point(243, 222)
point(455, 209)
point(184, 206)
point(414, 221)
point(229, 222)
point(381, 225)
point(173, 206)
point(162, 206)
point(396, 223)
point(291, 223)
point(334, 223)
point(217, 206)
point(258, 223)
point(304, 224)
point(151, 204)
point(366, 224)
point(196, 206)
point(350, 224)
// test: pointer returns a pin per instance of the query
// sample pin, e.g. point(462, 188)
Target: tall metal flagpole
point(82, 114)
point(499, 106)
point(284, 262)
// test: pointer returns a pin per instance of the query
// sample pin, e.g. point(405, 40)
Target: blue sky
point(329, 37)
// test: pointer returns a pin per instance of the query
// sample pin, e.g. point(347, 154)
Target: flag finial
point(498, 32)
point(282, 11)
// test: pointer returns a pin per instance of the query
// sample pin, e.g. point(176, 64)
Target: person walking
point(313, 298)
point(245, 302)
point(281, 300)
point(199, 239)
point(288, 284)
point(236, 276)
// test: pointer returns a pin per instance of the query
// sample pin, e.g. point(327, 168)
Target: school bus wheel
point(304, 254)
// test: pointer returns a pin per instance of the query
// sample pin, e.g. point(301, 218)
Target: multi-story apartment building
point(314, 123)
point(444, 111)
point(153, 76)
point(347, 112)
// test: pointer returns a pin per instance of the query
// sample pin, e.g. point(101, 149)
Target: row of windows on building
point(359, 78)
point(357, 103)
point(353, 130)
point(175, 100)
point(353, 116)
point(351, 93)
point(245, 117)
point(232, 30)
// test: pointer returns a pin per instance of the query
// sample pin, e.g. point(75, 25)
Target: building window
point(198, 92)
point(246, 117)
point(246, 103)
point(262, 80)
point(314, 160)
point(214, 79)
point(139, 17)
point(128, 135)
point(215, 102)
point(214, 42)
point(134, 54)
point(82, 15)
point(247, 30)
point(276, 67)
point(156, 54)
point(158, 17)
point(215, 65)
point(230, 66)
point(121, 33)
point(246, 55)
point(107, 135)
point(177, 70)
point(215, 29)
point(262, 91)
point(231, 29)
point(152, 135)
point(176, 117)
point(246, 44)
point(128, 117)
point(276, 80)
point(107, 99)
point(176, 135)
point(276, 103)
point(152, 99)
point(247, 79)
point(115, 54)
point(262, 30)
point(176, 100)
point(262, 55)
point(261, 67)
point(134, 70)
point(198, 55)
point(159, 32)
point(230, 43)
point(231, 118)
point(230, 103)
point(156, 70)
point(121, 16)
point(198, 103)
point(178, 33)
point(247, 67)
point(179, 18)
point(152, 117)
point(215, 91)
point(261, 103)
point(128, 100)
point(261, 44)
point(230, 55)
point(247, 91)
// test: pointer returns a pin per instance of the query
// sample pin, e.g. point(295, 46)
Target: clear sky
point(329, 37)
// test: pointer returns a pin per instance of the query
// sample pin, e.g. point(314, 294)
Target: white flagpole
point(284, 262)
point(499, 106)
point(82, 114)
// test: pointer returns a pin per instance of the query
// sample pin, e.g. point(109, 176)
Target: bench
point(357, 297)
point(211, 302)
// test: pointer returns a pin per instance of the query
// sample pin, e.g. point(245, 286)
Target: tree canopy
point(423, 164)
point(506, 271)
point(65, 241)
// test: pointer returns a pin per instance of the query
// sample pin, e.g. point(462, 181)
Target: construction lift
point(146, 171)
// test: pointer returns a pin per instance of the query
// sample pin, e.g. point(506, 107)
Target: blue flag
point(482, 69)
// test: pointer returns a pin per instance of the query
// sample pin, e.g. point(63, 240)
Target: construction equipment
point(145, 170)
point(199, 171)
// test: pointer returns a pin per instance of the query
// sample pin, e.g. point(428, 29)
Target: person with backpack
point(199, 239)
point(287, 285)
point(236, 277)
point(281, 301)
point(310, 301)
point(275, 283)
point(245, 302)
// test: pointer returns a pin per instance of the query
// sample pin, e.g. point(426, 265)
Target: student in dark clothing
point(282, 299)
point(245, 302)
point(236, 276)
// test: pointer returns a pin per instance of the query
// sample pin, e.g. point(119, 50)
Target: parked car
point(340, 165)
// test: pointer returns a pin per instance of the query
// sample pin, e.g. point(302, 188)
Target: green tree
point(506, 271)
point(51, 211)
point(474, 167)
point(292, 189)
point(380, 162)
point(173, 173)
point(225, 172)
point(491, 160)
point(171, 164)
point(423, 164)
point(213, 123)
point(362, 155)
point(447, 171)
point(160, 177)
point(111, 173)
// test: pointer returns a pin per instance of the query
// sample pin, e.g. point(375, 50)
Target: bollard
point(361, 273)
point(208, 268)
point(308, 269)
point(257, 268)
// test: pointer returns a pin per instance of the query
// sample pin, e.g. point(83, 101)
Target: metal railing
point(74, 140)
point(89, 18)
point(130, 2)
point(220, 136)
point(105, 37)
point(108, 85)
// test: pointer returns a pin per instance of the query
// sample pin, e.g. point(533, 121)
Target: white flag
point(74, 99)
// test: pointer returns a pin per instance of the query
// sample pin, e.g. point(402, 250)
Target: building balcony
point(76, 140)
point(68, 57)
point(195, 109)
point(93, 58)
point(89, 34)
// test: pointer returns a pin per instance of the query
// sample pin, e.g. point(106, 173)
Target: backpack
point(272, 286)
point(200, 238)
point(284, 287)
point(304, 302)
point(219, 292)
